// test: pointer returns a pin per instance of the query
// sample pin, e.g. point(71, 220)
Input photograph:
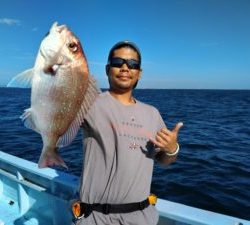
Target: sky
point(185, 44)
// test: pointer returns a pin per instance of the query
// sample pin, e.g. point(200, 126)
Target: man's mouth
point(124, 77)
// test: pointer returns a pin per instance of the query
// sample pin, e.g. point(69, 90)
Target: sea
point(212, 170)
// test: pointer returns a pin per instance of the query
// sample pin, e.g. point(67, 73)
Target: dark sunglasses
point(131, 63)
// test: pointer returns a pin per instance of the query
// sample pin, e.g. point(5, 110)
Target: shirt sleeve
point(160, 122)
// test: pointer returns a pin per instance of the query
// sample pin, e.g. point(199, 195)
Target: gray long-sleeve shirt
point(118, 161)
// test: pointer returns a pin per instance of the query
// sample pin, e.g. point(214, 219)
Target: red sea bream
point(61, 92)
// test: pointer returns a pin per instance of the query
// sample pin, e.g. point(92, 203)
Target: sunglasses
point(131, 63)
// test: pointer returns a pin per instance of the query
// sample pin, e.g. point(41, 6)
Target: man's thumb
point(177, 127)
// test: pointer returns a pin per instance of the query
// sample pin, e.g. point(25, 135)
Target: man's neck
point(125, 98)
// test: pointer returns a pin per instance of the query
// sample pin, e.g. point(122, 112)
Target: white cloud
point(35, 29)
point(10, 22)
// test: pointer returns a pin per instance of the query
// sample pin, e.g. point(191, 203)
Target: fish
point(62, 91)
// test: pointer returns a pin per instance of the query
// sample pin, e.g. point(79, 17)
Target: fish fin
point(50, 159)
point(89, 97)
point(22, 80)
point(69, 136)
point(27, 119)
point(91, 93)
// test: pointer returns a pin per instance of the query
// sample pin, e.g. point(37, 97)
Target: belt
point(80, 209)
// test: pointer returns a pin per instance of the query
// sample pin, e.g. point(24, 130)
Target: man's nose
point(124, 66)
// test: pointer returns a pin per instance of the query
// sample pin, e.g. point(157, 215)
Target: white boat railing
point(41, 196)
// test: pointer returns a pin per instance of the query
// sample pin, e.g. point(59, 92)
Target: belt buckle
point(152, 199)
point(77, 210)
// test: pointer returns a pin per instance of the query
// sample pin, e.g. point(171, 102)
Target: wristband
point(174, 153)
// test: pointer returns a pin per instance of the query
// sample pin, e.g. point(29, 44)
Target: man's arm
point(166, 142)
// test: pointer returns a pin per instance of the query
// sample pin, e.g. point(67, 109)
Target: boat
point(33, 196)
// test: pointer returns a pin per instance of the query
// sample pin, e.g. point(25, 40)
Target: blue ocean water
point(213, 167)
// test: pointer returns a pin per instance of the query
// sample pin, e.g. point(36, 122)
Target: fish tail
point(51, 158)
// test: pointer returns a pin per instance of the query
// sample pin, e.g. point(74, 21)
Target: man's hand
point(167, 139)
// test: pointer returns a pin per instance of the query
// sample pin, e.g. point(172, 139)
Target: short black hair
point(122, 44)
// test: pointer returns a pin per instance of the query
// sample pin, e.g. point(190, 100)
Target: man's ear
point(107, 69)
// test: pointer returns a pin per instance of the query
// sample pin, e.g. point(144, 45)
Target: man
point(122, 138)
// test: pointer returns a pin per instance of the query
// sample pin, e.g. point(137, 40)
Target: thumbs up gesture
point(167, 139)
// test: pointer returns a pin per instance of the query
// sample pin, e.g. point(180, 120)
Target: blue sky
point(203, 44)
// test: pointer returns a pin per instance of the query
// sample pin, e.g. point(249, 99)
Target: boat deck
point(11, 214)
point(9, 211)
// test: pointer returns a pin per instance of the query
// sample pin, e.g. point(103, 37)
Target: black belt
point(80, 209)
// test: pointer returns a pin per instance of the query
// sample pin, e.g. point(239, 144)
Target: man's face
point(123, 79)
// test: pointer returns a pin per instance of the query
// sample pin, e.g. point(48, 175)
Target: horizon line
point(105, 88)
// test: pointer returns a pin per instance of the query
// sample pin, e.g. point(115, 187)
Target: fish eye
point(73, 46)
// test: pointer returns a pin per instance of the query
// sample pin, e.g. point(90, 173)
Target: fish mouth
point(59, 28)
point(50, 49)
